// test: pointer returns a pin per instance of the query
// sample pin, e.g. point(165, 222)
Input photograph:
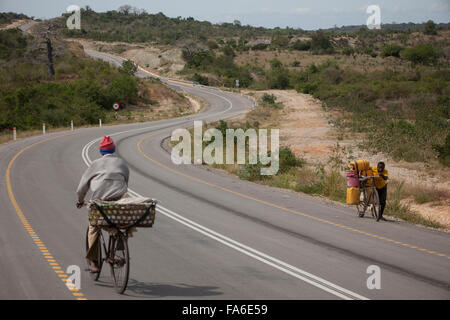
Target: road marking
point(275, 205)
point(262, 257)
point(33, 235)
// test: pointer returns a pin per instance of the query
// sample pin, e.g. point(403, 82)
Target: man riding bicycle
point(107, 178)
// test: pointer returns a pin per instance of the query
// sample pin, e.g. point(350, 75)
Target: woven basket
point(123, 215)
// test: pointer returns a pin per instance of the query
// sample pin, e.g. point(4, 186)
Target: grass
point(396, 208)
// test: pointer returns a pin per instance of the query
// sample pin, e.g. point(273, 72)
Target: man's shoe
point(383, 219)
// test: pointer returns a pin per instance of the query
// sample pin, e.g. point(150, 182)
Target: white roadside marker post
point(43, 128)
point(100, 122)
point(71, 125)
point(14, 134)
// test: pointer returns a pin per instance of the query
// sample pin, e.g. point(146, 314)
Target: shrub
point(260, 46)
point(307, 88)
point(251, 172)
point(421, 54)
point(348, 51)
point(200, 79)
point(391, 50)
point(123, 90)
point(269, 98)
point(301, 45)
point(288, 160)
point(280, 42)
point(212, 44)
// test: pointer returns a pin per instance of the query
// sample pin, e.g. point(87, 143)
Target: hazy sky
point(293, 13)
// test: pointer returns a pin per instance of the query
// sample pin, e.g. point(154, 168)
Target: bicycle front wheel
point(119, 261)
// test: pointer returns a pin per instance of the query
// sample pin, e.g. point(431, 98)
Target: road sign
point(116, 106)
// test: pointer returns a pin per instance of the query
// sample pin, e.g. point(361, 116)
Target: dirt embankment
point(306, 128)
point(164, 60)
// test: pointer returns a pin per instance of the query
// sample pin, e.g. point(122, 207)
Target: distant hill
point(133, 25)
point(410, 26)
point(145, 27)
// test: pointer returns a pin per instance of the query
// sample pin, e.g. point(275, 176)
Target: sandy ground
point(305, 128)
point(15, 24)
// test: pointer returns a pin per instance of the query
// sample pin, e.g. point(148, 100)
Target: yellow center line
point(39, 244)
point(272, 204)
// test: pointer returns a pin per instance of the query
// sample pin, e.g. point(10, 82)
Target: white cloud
point(302, 10)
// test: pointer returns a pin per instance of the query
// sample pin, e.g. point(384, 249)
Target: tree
point(128, 67)
point(430, 28)
point(321, 43)
point(125, 9)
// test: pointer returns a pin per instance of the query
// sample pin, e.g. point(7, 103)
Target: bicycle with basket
point(118, 220)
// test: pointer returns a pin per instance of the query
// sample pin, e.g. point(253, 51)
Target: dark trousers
point(382, 195)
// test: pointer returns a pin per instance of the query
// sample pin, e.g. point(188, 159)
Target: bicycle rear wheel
point(119, 261)
point(362, 206)
point(95, 276)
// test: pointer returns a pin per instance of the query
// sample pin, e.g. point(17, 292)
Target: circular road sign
point(116, 106)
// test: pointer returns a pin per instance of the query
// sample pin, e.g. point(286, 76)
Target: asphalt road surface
point(215, 236)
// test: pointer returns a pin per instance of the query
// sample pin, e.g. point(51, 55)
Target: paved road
point(215, 236)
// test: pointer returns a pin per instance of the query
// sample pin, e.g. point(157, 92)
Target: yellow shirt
point(379, 181)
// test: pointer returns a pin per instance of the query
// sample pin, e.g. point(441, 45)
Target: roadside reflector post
point(100, 122)
point(14, 134)
point(43, 128)
point(71, 125)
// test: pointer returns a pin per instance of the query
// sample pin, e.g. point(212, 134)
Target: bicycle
point(116, 253)
point(368, 200)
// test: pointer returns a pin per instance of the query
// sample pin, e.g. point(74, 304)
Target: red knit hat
point(107, 145)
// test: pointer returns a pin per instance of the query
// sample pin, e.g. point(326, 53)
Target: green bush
point(123, 90)
point(301, 45)
point(251, 172)
point(348, 51)
point(421, 54)
point(391, 50)
point(269, 98)
point(288, 160)
point(200, 79)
